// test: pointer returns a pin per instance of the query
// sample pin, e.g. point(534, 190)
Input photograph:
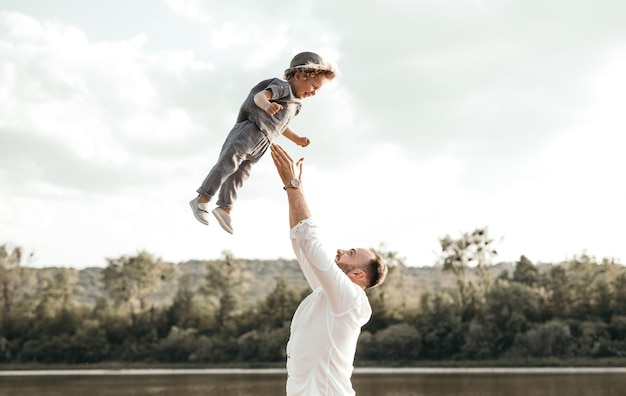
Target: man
point(326, 326)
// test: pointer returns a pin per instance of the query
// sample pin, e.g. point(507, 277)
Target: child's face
point(303, 87)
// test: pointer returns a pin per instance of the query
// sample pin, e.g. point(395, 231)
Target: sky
point(445, 116)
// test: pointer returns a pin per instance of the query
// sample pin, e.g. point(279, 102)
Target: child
point(264, 115)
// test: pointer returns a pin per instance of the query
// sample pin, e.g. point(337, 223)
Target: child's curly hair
point(309, 64)
point(289, 73)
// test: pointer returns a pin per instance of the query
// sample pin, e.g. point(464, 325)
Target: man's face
point(353, 258)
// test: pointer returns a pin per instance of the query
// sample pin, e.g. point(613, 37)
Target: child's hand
point(303, 141)
point(273, 108)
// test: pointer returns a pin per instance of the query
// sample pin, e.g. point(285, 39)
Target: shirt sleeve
point(279, 91)
point(320, 269)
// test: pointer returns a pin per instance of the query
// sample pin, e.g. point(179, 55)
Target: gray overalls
point(248, 140)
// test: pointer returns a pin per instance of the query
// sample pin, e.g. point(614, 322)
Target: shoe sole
point(222, 222)
point(200, 219)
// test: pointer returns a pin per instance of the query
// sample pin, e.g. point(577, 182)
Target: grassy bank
point(548, 362)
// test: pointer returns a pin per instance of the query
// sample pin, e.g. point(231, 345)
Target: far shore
point(282, 371)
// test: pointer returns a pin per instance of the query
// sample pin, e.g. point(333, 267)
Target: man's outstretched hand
point(284, 164)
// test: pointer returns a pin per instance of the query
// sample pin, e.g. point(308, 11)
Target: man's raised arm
point(298, 208)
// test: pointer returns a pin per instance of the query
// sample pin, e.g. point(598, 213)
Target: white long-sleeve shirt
point(326, 326)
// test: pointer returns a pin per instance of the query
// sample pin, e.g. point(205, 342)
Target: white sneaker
point(200, 211)
point(224, 219)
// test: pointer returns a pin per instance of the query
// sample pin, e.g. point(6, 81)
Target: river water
point(367, 382)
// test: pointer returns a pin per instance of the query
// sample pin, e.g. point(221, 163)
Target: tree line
point(574, 309)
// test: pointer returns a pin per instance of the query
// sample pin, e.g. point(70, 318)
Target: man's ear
point(357, 274)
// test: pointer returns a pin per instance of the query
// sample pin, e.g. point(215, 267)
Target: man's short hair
point(377, 269)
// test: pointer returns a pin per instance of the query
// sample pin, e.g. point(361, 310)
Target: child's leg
point(255, 146)
point(234, 151)
point(232, 184)
point(227, 164)
point(228, 195)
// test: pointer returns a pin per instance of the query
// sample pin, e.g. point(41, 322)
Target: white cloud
point(438, 123)
point(232, 34)
point(191, 9)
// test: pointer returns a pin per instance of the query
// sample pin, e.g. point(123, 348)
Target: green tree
point(279, 306)
point(179, 345)
point(559, 292)
point(440, 326)
point(266, 344)
point(618, 301)
point(397, 342)
point(617, 332)
point(547, 339)
point(56, 295)
point(525, 272)
point(593, 339)
point(224, 280)
point(602, 300)
point(392, 301)
point(583, 273)
point(478, 341)
point(132, 280)
point(184, 312)
point(10, 261)
point(16, 306)
point(471, 250)
point(509, 310)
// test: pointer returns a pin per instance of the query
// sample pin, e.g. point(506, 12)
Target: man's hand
point(298, 208)
point(284, 164)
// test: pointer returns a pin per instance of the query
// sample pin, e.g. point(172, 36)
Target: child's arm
point(262, 99)
point(291, 135)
